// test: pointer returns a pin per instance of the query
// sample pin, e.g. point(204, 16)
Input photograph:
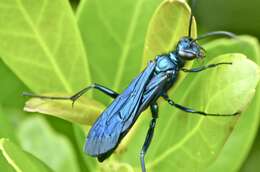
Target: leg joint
point(142, 153)
point(171, 102)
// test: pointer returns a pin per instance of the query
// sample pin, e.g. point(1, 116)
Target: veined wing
point(105, 133)
point(153, 90)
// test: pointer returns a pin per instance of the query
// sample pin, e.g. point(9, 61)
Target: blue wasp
point(153, 82)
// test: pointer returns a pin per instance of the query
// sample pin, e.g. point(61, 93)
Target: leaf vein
point(176, 146)
point(41, 12)
point(126, 49)
point(107, 26)
point(49, 55)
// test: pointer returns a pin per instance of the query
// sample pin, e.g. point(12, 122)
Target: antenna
point(216, 33)
point(191, 16)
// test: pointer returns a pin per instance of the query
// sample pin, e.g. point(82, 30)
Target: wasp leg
point(149, 135)
point(201, 68)
point(74, 97)
point(189, 110)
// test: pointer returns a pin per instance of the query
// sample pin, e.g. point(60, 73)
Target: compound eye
point(186, 44)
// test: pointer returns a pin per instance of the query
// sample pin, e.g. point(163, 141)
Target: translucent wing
point(105, 134)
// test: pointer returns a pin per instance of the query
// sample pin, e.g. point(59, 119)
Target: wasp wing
point(152, 91)
point(104, 135)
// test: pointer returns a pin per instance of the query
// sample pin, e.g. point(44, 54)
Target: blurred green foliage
point(116, 34)
point(239, 16)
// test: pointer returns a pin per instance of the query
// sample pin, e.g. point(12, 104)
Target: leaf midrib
point(49, 55)
point(123, 57)
point(176, 146)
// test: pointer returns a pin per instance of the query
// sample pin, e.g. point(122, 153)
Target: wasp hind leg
point(149, 135)
point(74, 97)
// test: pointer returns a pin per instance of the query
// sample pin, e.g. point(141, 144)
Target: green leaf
point(252, 161)
point(8, 79)
point(186, 142)
point(168, 25)
point(11, 102)
point(84, 111)
point(42, 45)
point(240, 141)
point(19, 161)
point(36, 136)
point(194, 142)
point(90, 162)
point(114, 34)
point(115, 166)
point(4, 165)
point(6, 129)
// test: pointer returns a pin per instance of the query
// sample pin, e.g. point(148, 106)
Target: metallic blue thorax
point(168, 62)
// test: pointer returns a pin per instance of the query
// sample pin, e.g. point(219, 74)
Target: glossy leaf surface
point(36, 136)
point(17, 160)
point(42, 45)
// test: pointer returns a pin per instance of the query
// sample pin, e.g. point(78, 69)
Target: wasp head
point(188, 49)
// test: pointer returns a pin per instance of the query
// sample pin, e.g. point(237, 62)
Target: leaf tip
point(28, 107)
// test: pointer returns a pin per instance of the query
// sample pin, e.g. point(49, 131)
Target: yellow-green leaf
point(114, 33)
point(194, 141)
point(244, 132)
point(41, 44)
point(84, 111)
point(187, 142)
point(168, 25)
